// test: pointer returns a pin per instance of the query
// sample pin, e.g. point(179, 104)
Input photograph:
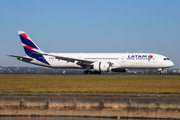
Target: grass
point(91, 83)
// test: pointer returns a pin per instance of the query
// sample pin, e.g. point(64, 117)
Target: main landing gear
point(91, 72)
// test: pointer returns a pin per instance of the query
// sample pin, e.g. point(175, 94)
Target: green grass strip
point(165, 84)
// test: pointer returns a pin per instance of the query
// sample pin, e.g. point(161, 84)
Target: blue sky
point(71, 26)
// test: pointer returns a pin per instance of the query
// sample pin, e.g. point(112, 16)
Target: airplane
point(93, 63)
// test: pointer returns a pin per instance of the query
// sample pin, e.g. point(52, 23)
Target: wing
point(80, 62)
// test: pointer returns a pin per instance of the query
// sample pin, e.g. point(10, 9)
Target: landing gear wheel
point(91, 72)
point(159, 72)
point(85, 72)
point(95, 72)
point(88, 72)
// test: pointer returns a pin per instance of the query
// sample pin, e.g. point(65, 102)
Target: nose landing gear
point(159, 71)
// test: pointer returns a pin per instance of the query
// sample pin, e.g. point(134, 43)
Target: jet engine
point(102, 66)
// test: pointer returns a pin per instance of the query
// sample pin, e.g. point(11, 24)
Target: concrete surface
point(91, 104)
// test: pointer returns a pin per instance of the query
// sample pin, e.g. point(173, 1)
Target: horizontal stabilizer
point(20, 57)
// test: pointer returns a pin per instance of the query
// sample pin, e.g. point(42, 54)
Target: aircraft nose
point(171, 63)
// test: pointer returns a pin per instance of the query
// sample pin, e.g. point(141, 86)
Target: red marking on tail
point(24, 35)
point(29, 47)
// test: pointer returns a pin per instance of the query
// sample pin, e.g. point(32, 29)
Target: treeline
point(36, 70)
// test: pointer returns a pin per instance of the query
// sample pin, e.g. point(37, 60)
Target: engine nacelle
point(102, 66)
point(118, 70)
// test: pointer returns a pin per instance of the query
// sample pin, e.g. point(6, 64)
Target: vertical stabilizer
point(30, 48)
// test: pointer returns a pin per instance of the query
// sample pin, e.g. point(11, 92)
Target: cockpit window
point(166, 59)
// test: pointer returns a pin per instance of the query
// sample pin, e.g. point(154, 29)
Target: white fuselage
point(119, 60)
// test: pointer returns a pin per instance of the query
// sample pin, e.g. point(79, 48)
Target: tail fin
point(30, 48)
point(28, 44)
